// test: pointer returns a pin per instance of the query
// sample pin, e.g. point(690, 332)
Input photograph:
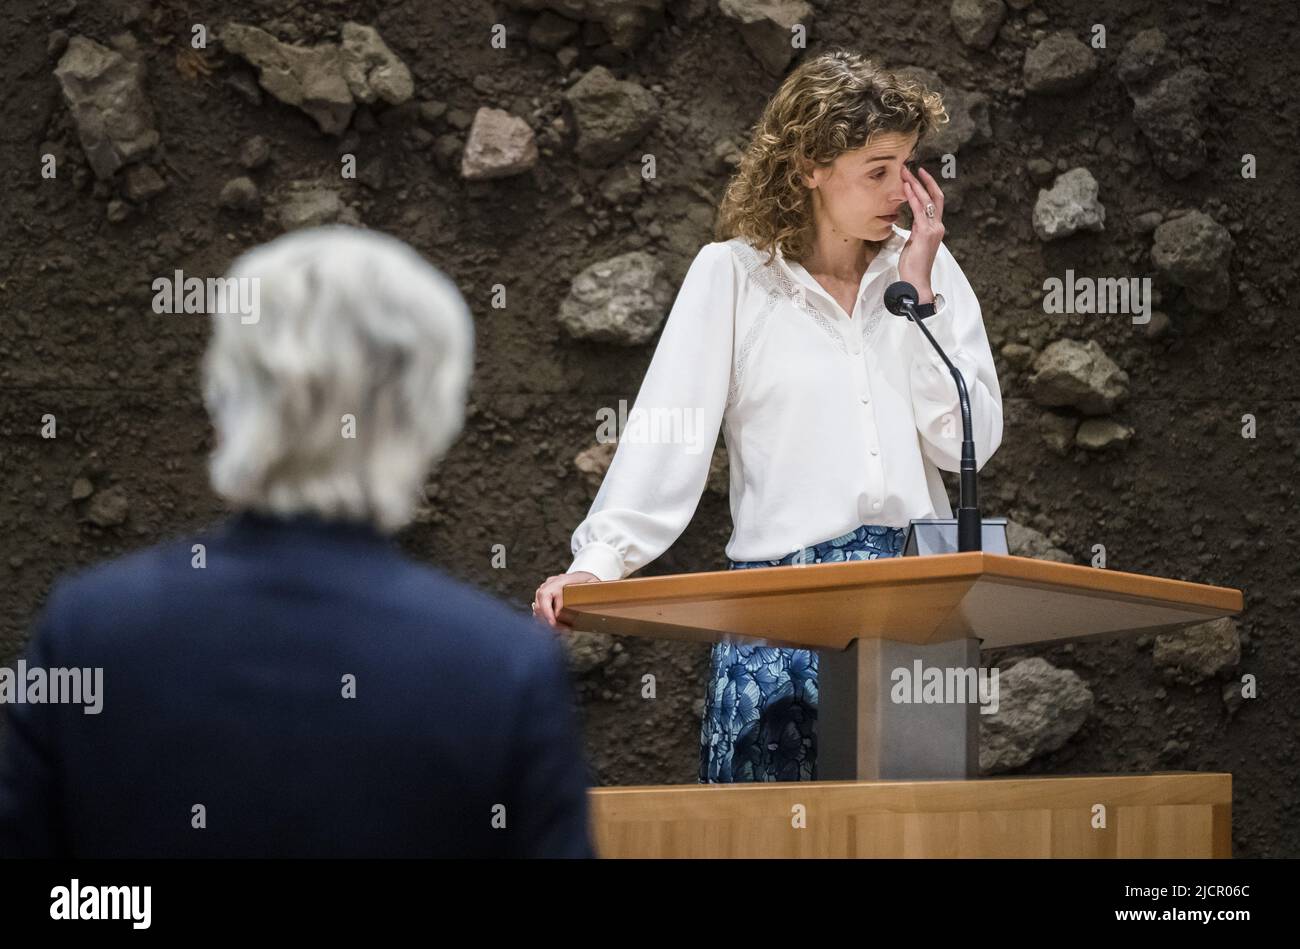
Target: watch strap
point(926, 310)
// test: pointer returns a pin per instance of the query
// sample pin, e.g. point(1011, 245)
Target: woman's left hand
point(916, 261)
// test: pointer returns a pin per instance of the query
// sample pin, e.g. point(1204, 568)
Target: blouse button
point(865, 398)
point(875, 505)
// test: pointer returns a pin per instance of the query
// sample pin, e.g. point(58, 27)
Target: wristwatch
point(924, 310)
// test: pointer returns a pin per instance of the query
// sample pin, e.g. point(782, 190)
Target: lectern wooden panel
point(1176, 814)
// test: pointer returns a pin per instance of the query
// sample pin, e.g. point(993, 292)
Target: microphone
point(901, 300)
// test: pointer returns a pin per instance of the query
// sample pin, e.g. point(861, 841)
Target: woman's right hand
point(549, 599)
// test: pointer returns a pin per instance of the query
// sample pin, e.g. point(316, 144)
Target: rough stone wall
point(1170, 444)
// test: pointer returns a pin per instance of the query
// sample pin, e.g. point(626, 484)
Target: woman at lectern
point(837, 416)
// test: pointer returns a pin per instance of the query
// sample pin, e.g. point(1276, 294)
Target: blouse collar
point(892, 247)
point(886, 256)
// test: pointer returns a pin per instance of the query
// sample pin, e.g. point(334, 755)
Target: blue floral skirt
point(760, 707)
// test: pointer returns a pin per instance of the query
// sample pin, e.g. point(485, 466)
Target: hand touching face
point(916, 261)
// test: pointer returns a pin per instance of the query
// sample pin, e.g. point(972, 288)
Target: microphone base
point(939, 535)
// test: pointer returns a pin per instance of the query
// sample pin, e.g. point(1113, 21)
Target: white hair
point(350, 323)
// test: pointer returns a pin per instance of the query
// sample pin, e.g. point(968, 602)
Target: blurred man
point(288, 684)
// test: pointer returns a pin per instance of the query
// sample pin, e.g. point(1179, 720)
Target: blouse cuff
point(940, 325)
point(599, 559)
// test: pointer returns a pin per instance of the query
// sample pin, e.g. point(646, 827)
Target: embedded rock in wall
point(1194, 251)
point(976, 22)
point(325, 81)
point(622, 300)
point(1040, 707)
point(626, 23)
point(105, 94)
point(1168, 102)
point(1070, 205)
point(612, 115)
point(1199, 652)
point(1080, 375)
point(1059, 64)
point(499, 145)
point(767, 27)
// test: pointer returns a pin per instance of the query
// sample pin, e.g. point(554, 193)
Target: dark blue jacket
point(224, 689)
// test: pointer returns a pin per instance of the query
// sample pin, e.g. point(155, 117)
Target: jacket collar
point(258, 524)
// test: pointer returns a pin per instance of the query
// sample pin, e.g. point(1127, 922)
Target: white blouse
point(830, 422)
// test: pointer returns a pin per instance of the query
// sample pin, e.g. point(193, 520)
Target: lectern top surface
point(998, 599)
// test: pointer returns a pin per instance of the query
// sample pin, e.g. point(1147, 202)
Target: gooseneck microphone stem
point(902, 296)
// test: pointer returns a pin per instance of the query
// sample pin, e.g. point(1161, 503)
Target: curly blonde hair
point(830, 104)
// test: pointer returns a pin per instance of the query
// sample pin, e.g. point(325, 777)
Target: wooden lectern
point(902, 779)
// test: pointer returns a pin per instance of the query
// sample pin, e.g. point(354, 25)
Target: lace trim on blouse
point(778, 284)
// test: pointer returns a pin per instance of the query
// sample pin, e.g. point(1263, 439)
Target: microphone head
point(896, 293)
